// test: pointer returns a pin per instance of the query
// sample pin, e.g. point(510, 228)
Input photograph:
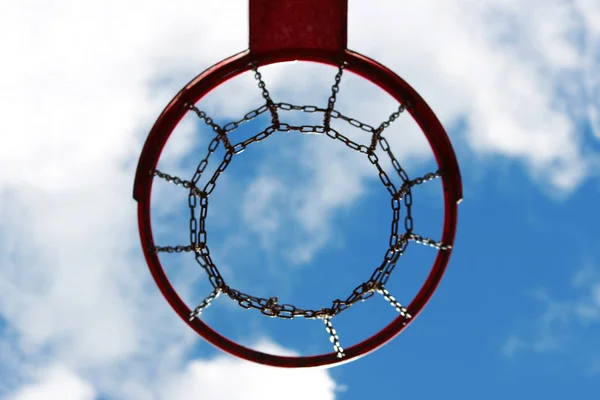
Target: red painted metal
point(305, 49)
point(232, 67)
point(298, 24)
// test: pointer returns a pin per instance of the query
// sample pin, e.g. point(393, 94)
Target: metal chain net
point(198, 204)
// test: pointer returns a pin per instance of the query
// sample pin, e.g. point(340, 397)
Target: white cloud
point(524, 78)
point(512, 345)
point(566, 326)
point(230, 379)
point(293, 216)
point(259, 211)
point(81, 87)
point(587, 307)
point(56, 383)
point(82, 83)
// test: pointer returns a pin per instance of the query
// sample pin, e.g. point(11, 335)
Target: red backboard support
point(298, 24)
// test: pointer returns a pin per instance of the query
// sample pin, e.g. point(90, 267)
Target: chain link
point(429, 242)
point(198, 205)
point(333, 338)
point(384, 125)
point(205, 304)
point(399, 307)
point(266, 95)
point(222, 134)
point(175, 179)
point(248, 117)
point(332, 98)
point(174, 249)
point(426, 178)
point(407, 185)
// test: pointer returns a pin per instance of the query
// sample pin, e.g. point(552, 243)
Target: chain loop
point(205, 304)
point(266, 95)
point(333, 337)
point(394, 303)
point(198, 204)
point(334, 91)
point(222, 134)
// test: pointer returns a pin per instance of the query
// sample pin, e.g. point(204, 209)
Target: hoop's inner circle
point(402, 231)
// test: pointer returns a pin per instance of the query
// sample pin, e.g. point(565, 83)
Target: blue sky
point(300, 217)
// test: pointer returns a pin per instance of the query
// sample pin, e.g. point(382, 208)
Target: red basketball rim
point(356, 63)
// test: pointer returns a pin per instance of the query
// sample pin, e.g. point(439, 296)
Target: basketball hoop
point(315, 31)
